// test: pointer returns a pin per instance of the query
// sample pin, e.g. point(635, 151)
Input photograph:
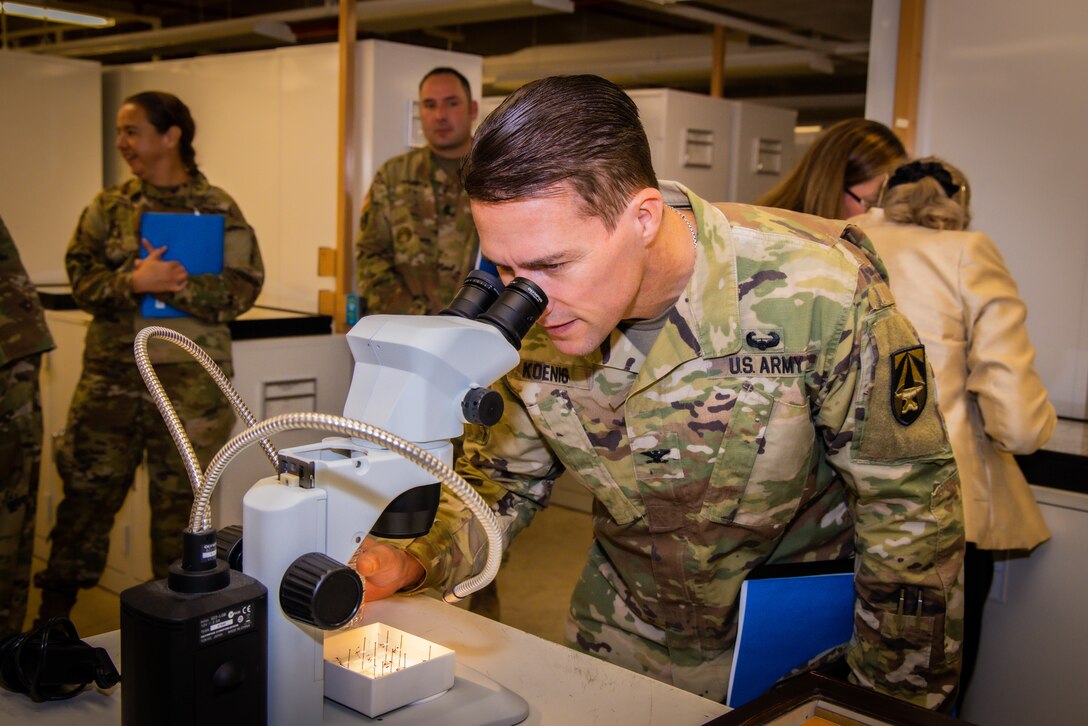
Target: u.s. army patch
point(764, 339)
point(909, 388)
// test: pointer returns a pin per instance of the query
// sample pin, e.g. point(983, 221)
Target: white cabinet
point(723, 150)
point(1031, 666)
point(689, 138)
point(274, 376)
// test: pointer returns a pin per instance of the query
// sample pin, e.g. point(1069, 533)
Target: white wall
point(50, 111)
point(883, 46)
point(267, 134)
point(1003, 96)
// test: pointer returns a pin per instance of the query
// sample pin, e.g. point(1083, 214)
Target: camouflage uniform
point(759, 429)
point(112, 421)
point(23, 338)
point(416, 241)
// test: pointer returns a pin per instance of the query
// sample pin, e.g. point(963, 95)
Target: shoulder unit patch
point(909, 387)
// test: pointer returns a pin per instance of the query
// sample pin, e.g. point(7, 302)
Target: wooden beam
point(717, 63)
point(345, 175)
point(908, 71)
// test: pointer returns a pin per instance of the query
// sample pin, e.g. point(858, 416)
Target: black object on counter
point(195, 646)
point(51, 663)
point(289, 323)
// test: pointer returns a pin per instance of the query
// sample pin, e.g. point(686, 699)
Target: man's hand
point(386, 569)
point(154, 274)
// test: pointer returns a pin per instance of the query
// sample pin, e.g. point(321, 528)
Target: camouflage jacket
point(774, 420)
point(23, 330)
point(416, 240)
point(104, 249)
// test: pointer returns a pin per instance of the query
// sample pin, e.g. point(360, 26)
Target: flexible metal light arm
point(349, 427)
point(204, 484)
point(166, 408)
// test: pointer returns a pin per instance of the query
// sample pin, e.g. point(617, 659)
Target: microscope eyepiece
point(479, 290)
point(516, 309)
point(512, 309)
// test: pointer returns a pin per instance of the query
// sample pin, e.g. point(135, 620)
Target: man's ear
point(648, 207)
point(473, 111)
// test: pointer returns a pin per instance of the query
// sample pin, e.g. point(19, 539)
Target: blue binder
point(788, 616)
point(194, 240)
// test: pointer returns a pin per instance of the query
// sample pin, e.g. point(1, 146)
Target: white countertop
point(1069, 437)
point(561, 686)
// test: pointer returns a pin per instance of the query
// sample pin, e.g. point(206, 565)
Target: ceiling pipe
point(264, 25)
point(747, 26)
point(645, 60)
point(374, 15)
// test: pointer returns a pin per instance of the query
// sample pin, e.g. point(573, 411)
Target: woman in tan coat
point(954, 286)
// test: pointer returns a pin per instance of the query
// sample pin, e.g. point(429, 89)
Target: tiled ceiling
point(805, 54)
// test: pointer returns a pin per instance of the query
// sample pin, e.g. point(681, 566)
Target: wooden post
point(717, 63)
point(908, 71)
point(345, 175)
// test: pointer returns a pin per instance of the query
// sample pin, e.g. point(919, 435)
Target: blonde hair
point(914, 196)
point(848, 153)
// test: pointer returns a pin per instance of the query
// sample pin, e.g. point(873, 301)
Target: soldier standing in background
point(24, 336)
point(416, 240)
point(112, 421)
point(733, 384)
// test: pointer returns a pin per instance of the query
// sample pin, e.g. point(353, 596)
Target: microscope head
point(423, 377)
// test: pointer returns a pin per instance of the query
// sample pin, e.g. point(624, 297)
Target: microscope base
point(474, 700)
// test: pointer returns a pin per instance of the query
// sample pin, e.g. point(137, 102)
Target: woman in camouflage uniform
point(112, 422)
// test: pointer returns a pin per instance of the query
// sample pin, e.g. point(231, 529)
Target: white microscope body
point(412, 374)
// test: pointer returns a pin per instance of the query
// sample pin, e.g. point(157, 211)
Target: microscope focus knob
point(228, 546)
point(318, 590)
point(482, 406)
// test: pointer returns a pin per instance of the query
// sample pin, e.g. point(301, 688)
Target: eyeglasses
point(865, 203)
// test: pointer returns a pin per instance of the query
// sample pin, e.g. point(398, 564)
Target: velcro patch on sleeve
point(898, 418)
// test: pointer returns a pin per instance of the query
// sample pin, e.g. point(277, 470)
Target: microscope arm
point(361, 486)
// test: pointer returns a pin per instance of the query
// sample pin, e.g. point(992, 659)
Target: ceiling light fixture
point(55, 15)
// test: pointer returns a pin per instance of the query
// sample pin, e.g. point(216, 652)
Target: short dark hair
point(580, 130)
point(165, 110)
point(447, 71)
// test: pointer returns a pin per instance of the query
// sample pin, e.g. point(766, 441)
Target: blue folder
point(785, 621)
point(194, 240)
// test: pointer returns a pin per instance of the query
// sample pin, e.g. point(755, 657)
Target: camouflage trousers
point(20, 462)
point(111, 424)
point(604, 622)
